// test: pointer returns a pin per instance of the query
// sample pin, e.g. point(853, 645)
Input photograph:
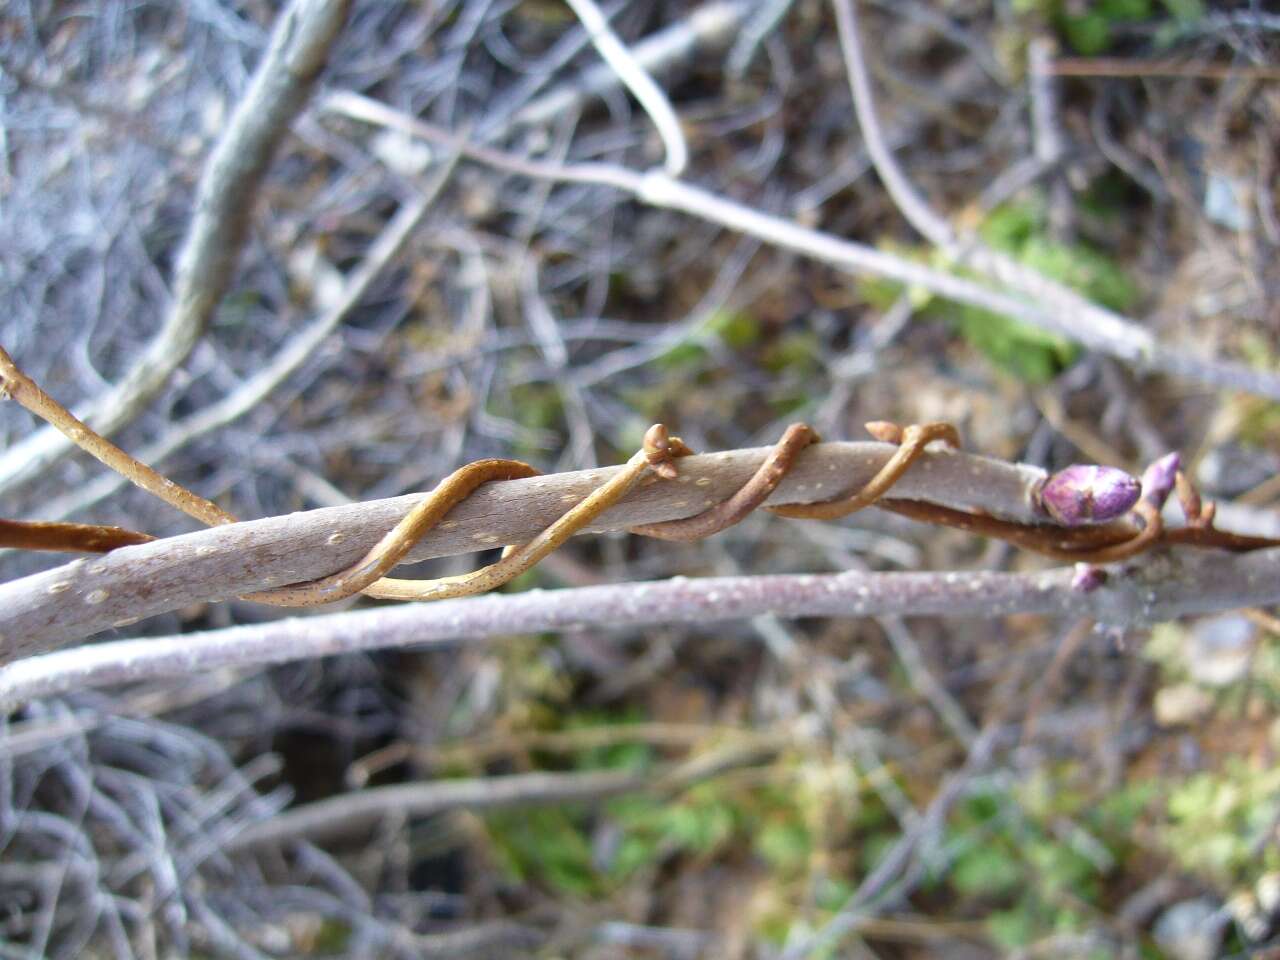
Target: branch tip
point(1159, 478)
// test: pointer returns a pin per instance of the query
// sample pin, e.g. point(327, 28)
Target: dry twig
point(1163, 588)
point(281, 86)
point(57, 606)
point(631, 73)
point(1086, 502)
point(352, 812)
point(1036, 300)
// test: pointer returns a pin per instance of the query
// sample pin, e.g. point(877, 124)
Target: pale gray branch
point(1160, 587)
point(1035, 299)
point(292, 355)
point(300, 45)
point(50, 609)
point(351, 812)
point(348, 813)
point(651, 97)
point(709, 25)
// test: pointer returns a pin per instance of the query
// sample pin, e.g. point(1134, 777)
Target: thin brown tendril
point(1219, 539)
point(655, 455)
point(912, 442)
point(753, 493)
point(1061, 543)
point(364, 575)
point(67, 537)
point(389, 551)
point(1103, 543)
point(1079, 544)
point(1199, 513)
point(1152, 528)
point(16, 384)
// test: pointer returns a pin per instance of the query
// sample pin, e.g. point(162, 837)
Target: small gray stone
point(1220, 649)
point(1223, 202)
point(1182, 704)
point(1190, 930)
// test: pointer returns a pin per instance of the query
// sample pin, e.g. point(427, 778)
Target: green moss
point(1218, 819)
point(1092, 30)
point(879, 292)
point(332, 937)
point(1260, 425)
point(738, 329)
point(545, 12)
point(1013, 928)
point(1185, 11)
point(1259, 419)
point(631, 755)
point(795, 353)
point(791, 404)
point(552, 846)
point(682, 356)
point(785, 844)
point(546, 844)
point(535, 406)
point(1029, 353)
point(987, 871)
point(704, 824)
point(1012, 860)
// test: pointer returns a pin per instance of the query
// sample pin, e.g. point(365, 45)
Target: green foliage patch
point(1219, 822)
point(555, 847)
point(1029, 353)
point(1015, 861)
point(1091, 28)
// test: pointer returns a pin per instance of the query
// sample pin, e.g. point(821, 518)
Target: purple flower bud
point(1086, 493)
point(1158, 479)
point(1087, 578)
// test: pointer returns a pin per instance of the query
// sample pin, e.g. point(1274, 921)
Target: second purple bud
point(1158, 479)
point(1086, 493)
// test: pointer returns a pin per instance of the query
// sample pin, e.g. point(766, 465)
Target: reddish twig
point(67, 537)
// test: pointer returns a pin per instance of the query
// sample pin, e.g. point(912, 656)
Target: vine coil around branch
point(1091, 504)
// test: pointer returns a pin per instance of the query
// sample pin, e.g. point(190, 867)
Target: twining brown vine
point(1093, 514)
